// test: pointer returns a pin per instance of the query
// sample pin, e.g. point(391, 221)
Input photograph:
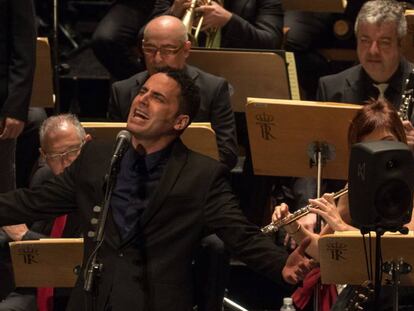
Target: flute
point(276, 225)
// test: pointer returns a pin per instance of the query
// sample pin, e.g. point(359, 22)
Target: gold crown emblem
point(264, 117)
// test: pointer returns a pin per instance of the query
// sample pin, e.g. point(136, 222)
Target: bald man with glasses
point(166, 43)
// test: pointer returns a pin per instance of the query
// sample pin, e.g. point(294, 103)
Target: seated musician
point(61, 139)
point(248, 24)
point(376, 121)
point(381, 73)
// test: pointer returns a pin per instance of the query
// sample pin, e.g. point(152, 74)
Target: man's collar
point(152, 159)
point(394, 81)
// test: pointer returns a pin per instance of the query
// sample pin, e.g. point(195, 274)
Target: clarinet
point(407, 98)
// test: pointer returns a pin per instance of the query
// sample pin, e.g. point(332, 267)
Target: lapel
point(407, 67)
point(170, 176)
point(172, 171)
point(192, 72)
point(353, 92)
point(140, 79)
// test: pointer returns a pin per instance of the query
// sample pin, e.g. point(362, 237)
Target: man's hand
point(12, 128)
point(215, 16)
point(307, 222)
point(409, 132)
point(179, 7)
point(297, 264)
point(16, 232)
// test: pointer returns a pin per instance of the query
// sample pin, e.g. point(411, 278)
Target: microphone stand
point(55, 55)
point(93, 265)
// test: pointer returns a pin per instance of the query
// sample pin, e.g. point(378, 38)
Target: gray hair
point(380, 11)
point(56, 122)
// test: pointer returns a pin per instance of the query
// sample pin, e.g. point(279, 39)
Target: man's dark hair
point(189, 101)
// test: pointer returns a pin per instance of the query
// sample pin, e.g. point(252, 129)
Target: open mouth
point(140, 114)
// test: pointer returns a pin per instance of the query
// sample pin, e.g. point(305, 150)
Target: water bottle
point(287, 305)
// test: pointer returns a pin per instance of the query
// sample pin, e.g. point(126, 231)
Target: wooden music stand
point(199, 136)
point(284, 133)
point(334, 6)
point(407, 43)
point(42, 94)
point(250, 73)
point(342, 258)
point(46, 262)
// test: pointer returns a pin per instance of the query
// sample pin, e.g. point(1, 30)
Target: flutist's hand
point(326, 208)
point(281, 211)
point(409, 132)
point(297, 264)
point(215, 16)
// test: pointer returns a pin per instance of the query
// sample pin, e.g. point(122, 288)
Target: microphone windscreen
point(124, 134)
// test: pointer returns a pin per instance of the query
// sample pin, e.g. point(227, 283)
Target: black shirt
point(138, 177)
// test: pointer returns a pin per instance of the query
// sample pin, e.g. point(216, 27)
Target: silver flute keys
point(276, 225)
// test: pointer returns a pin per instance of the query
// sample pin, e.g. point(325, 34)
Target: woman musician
point(376, 121)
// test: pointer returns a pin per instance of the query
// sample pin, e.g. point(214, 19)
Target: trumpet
point(193, 27)
point(276, 225)
point(188, 21)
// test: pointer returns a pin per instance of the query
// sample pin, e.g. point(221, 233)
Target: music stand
point(407, 43)
point(250, 73)
point(286, 136)
point(342, 259)
point(333, 6)
point(46, 262)
point(199, 136)
point(42, 94)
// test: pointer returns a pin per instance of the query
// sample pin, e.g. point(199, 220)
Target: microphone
point(122, 141)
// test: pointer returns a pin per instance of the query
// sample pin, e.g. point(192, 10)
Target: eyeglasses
point(69, 155)
point(164, 51)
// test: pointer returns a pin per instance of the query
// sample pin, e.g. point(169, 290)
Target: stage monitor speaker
point(381, 181)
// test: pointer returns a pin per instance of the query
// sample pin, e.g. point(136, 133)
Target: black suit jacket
point(151, 270)
point(17, 57)
point(215, 107)
point(350, 85)
point(255, 24)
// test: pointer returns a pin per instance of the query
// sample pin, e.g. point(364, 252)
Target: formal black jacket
point(151, 270)
point(215, 107)
point(17, 57)
point(255, 24)
point(353, 86)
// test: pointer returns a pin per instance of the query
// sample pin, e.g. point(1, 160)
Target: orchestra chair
point(43, 95)
point(407, 44)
